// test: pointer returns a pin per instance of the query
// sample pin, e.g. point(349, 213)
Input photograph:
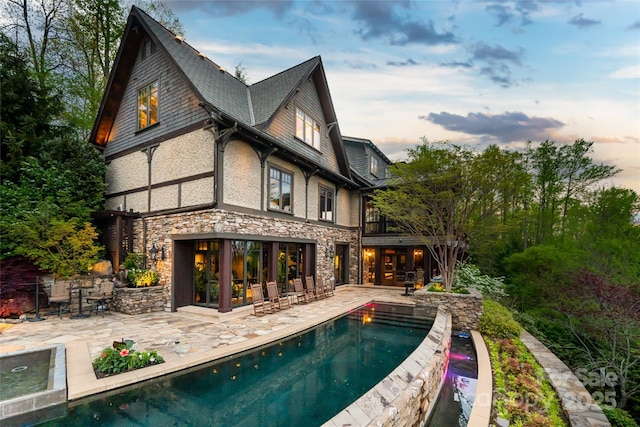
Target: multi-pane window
point(148, 105)
point(372, 219)
point(326, 203)
point(280, 189)
point(374, 166)
point(307, 129)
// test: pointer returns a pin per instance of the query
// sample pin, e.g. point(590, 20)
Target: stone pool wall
point(465, 309)
point(138, 300)
point(405, 396)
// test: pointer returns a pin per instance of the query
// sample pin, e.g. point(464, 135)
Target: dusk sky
point(472, 72)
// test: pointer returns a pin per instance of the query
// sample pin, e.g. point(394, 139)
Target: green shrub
point(618, 417)
point(497, 322)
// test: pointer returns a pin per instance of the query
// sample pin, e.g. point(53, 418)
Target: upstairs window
point(327, 196)
point(280, 189)
point(307, 129)
point(148, 47)
point(374, 166)
point(148, 105)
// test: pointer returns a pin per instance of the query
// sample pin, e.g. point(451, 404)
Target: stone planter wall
point(405, 396)
point(465, 309)
point(138, 300)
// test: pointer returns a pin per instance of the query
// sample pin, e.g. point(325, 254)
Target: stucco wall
point(184, 156)
point(242, 183)
point(164, 197)
point(127, 172)
point(196, 192)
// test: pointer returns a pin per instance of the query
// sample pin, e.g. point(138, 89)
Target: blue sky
point(473, 72)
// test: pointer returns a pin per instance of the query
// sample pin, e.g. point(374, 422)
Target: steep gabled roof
point(269, 95)
point(252, 107)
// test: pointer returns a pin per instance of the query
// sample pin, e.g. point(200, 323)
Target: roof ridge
point(317, 57)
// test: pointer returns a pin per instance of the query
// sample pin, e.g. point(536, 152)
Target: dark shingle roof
point(268, 95)
point(215, 86)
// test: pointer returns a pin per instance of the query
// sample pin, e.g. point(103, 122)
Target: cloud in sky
point(406, 63)
point(581, 22)
point(497, 59)
point(230, 8)
point(456, 64)
point(380, 19)
point(634, 26)
point(506, 127)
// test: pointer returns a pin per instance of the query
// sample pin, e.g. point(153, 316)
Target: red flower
point(124, 352)
point(103, 355)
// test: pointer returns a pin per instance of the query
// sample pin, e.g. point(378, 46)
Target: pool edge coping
point(55, 394)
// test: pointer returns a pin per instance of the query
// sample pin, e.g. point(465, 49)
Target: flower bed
point(122, 358)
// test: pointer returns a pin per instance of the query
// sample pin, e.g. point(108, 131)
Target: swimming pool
point(303, 381)
point(458, 391)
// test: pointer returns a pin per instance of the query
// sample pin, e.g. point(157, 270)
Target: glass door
point(206, 269)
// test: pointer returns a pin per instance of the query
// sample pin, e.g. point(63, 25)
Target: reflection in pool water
point(303, 381)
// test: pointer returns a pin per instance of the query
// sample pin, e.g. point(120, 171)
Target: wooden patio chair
point(259, 303)
point(278, 302)
point(60, 295)
point(304, 293)
point(102, 297)
point(318, 291)
point(328, 289)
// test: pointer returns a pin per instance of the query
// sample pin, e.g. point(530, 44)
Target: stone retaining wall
point(576, 400)
point(404, 397)
point(465, 309)
point(138, 300)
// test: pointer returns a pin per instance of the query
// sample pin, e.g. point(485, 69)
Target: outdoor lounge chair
point(278, 302)
point(259, 303)
point(304, 293)
point(328, 289)
point(102, 297)
point(60, 295)
point(318, 291)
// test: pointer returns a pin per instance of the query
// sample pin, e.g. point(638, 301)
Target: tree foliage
point(433, 196)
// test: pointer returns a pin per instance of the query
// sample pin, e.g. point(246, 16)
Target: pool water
point(455, 400)
point(24, 374)
point(303, 381)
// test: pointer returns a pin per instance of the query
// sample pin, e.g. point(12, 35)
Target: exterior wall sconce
point(331, 252)
point(154, 252)
point(163, 253)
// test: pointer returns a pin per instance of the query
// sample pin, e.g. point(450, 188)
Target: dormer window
point(307, 129)
point(374, 166)
point(148, 105)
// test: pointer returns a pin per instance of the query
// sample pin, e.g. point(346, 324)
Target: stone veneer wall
point(465, 309)
point(138, 300)
point(405, 396)
point(160, 230)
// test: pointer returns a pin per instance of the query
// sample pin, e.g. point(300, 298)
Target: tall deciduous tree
point(433, 196)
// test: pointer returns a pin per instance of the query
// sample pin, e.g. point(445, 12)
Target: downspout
point(360, 214)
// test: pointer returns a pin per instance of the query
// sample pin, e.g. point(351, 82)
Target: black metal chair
point(409, 283)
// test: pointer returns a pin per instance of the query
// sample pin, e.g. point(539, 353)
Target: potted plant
point(122, 358)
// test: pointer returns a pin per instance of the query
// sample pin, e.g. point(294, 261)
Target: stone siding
point(405, 396)
point(138, 300)
point(465, 309)
point(161, 229)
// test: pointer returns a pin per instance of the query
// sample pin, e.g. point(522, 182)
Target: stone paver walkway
point(186, 338)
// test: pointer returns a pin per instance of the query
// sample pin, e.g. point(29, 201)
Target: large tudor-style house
point(233, 184)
